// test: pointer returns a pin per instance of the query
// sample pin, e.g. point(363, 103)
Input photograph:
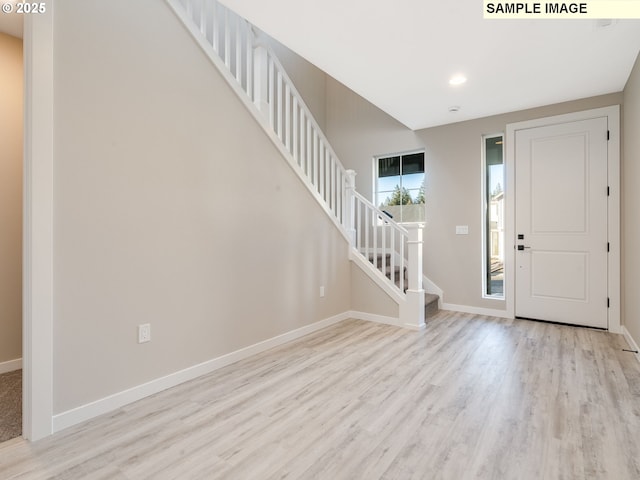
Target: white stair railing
point(261, 76)
point(381, 241)
point(231, 42)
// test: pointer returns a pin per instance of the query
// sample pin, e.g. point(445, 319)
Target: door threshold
point(600, 329)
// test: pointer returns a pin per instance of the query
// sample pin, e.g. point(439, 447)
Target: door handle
point(522, 247)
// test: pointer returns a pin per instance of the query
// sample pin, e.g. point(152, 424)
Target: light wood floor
point(469, 397)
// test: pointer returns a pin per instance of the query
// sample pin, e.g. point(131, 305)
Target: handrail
point(380, 240)
point(262, 77)
point(299, 131)
point(382, 213)
point(302, 103)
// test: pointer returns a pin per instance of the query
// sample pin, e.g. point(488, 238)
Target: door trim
point(37, 317)
point(612, 113)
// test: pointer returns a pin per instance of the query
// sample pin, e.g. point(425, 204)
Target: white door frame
point(613, 209)
point(37, 288)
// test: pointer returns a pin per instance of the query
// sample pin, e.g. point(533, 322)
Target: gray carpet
point(10, 405)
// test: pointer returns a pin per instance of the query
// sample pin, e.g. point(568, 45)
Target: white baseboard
point(410, 326)
point(372, 317)
point(10, 366)
point(632, 343)
point(489, 312)
point(108, 404)
point(105, 405)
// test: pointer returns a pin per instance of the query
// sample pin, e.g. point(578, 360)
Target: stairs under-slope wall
point(260, 81)
point(431, 301)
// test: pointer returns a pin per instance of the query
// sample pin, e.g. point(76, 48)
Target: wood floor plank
point(469, 397)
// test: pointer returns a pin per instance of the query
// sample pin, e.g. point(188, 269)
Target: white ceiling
point(400, 55)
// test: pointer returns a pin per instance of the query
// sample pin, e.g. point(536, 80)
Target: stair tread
point(431, 306)
point(396, 269)
point(430, 298)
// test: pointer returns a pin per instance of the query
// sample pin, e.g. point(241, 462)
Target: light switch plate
point(144, 333)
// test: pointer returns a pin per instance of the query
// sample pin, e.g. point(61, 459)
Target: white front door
point(561, 223)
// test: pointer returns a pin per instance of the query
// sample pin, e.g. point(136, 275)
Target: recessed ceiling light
point(457, 79)
point(454, 109)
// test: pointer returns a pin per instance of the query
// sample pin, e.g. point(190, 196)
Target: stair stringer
point(376, 275)
point(405, 309)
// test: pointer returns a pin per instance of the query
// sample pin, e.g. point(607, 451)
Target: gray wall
point(309, 80)
point(171, 207)
point(358, 131)
point(368, 297)
point(631, 204)
point(10, 198)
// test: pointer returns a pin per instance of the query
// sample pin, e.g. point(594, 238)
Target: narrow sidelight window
point(493, 213)
point(400, 186)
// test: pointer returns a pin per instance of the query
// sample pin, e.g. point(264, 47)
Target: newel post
point(350, 217)
point(260, 76)
point(412, 311)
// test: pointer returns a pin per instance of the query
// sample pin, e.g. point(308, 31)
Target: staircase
point(390, 254)
point(431, 300)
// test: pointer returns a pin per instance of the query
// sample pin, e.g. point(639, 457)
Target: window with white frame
point(493, 213)
point(399, 186)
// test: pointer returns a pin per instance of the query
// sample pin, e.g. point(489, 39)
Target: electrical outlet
point(144, 333)
point(322, 291)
